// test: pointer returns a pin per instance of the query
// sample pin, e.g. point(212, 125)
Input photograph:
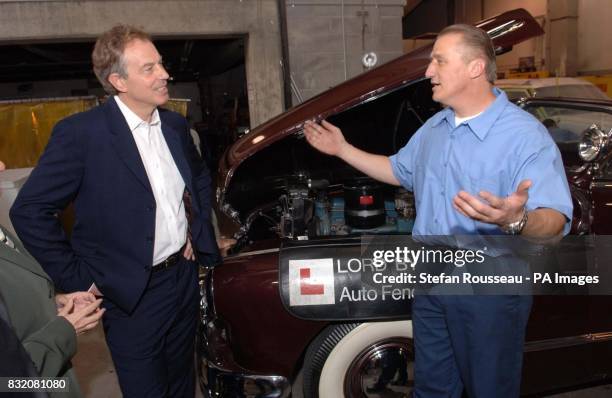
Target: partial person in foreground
point(480, 166)
point(142, 204)
point(46, 323)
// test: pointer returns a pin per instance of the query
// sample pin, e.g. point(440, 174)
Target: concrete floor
point(94, 367)
point(97, 377)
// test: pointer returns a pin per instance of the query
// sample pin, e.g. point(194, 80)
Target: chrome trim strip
point(253, 253)
point(504, 29)
point(603, 107)
point(540, 345)
point(600, 184)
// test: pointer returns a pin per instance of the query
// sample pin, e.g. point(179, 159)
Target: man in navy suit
point(142, 202)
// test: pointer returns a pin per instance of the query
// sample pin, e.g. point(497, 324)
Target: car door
point(559, 351)
point(601, 300)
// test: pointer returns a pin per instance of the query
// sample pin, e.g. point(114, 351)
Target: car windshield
point(567, 125)
point(571, 91)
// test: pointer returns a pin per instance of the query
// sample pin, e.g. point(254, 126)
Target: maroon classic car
point(270, 329)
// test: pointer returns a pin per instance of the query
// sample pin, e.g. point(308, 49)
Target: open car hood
point(260, 164)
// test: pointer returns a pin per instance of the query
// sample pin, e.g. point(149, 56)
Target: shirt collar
point(4, 239)
point(132, 119)
point(482, 123)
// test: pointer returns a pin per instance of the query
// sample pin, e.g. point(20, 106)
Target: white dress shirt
point(166, 182)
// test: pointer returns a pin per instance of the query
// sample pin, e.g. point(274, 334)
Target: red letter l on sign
point(306, 287)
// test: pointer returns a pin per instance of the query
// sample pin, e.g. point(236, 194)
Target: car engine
point(315, 209)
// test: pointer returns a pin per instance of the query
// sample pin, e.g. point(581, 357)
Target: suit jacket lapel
point(176, 149)
point(124, 143)
point(22, 259)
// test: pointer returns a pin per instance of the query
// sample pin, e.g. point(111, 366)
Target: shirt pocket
point(494, 186)
point(487, 177)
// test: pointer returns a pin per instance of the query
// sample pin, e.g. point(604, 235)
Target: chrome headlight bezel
point(592, 144)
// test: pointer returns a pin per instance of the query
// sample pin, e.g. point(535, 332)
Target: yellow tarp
point(604, 82)
point(25, 127)
point(541, 74)
point(177, 105)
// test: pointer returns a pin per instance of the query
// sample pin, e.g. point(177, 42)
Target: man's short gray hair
point(478, 43)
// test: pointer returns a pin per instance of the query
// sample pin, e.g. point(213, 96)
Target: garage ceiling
point(185, 59)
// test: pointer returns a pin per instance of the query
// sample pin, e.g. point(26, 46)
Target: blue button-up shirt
point(492, 152)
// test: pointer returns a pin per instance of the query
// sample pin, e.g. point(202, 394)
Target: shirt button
point(436, 220)
point(442, 193)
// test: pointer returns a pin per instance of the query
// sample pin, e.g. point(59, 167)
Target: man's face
point(146, 81)
point(448, 70)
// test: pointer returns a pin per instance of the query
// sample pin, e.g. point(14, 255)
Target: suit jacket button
point(149, 239)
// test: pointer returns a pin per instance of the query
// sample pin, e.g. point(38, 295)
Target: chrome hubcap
point(383, 370)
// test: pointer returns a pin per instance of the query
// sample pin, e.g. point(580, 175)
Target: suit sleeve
point(52, 346)
point(206, 244)
point(53, 184)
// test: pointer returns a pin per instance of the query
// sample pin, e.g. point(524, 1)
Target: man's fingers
point(91, 307)
point(83, 297)
point(67, 308)
point(95, 316)
point(312, 127)
point(188, 252)
point(88, 322)
point(466, 208)
point(328, 125)
point(524, 186)
point(474, 206)
point(460, 210)
point(494, 201)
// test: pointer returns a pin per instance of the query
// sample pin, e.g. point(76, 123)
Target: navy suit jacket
point(92, 161)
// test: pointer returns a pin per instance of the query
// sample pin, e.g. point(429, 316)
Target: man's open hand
point(325, 137)
point(492, 209)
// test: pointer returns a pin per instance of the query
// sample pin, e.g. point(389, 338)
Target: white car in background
point(564, 87)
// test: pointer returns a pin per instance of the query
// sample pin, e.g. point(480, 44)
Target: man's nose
point(162, 73)
point(430, 71)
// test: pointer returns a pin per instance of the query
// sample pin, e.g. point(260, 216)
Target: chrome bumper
point(219, 374)
point(217, 382)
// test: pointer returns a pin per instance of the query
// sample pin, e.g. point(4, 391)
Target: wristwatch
point(515, 228)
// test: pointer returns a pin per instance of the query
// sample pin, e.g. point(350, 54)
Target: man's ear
point(118, 82)
point(477, 67)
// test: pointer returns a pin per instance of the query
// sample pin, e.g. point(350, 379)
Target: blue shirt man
point(494, 152)
point(481, 166)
